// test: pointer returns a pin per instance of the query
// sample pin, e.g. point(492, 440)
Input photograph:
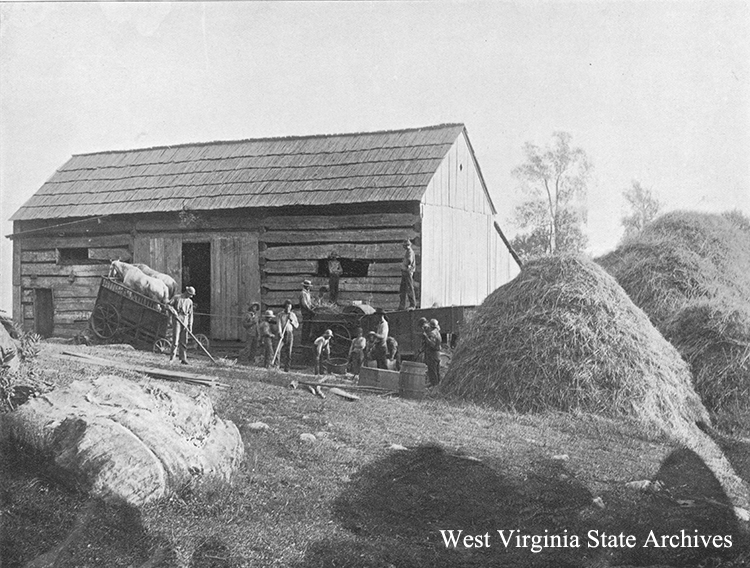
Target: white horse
point(166, 278)
point(136, 280)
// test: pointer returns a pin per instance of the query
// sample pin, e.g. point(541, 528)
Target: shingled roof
point(367, 167)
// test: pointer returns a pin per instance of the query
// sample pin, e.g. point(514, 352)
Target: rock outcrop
point(134, 441)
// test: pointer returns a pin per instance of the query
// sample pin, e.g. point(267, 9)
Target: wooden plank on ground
point(327, 222)
point(159, 373)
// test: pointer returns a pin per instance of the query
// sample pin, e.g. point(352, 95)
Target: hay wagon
point(124, 315)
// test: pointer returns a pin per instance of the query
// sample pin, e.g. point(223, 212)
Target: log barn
point(248, 220)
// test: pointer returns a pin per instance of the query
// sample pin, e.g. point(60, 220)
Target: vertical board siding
point(235, 282)
point(463, 258)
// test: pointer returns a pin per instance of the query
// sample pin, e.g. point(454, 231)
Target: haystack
point(690, 272)
point(564, 336)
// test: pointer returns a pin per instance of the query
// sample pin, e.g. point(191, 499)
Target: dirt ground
point(381, 481)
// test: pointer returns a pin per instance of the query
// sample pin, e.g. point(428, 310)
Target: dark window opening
point(349, 268)
point(73, 256)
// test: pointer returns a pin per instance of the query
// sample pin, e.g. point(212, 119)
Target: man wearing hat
point(322, 346)
point(382, 328)
point(306, 307)
point(408, 266)
point(183, 306)
point(266, 332)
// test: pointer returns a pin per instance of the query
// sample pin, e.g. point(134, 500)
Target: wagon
point(121, 314)
point(343, 324)
point(402, 324)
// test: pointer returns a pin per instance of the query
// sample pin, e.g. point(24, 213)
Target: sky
point(657, 92)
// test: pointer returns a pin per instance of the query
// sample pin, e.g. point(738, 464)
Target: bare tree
point(554, 180)
point(644, 207)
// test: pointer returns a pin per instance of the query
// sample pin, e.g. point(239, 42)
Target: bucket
point(411, 380)
point(337, 366)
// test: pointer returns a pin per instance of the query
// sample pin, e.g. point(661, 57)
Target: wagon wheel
point(105, 320)
point(202, 339)
point(342, 339)
point(162, 346)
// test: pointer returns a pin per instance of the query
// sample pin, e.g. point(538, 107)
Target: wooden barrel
point(411, 379)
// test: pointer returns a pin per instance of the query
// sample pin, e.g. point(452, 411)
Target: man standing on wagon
point(408, 266)
point(183, 306)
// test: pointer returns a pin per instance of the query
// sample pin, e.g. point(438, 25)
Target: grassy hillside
point(380, 482)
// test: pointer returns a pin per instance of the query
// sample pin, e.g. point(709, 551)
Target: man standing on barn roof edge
point(408, 266)
point(306, 307)
point(183, 306)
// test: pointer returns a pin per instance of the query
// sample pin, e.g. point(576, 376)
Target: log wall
point(74, 285)
point(293, 246)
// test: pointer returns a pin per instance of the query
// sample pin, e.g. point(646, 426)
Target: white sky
point(656, 91)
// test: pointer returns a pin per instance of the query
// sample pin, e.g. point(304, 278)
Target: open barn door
point(235, 281)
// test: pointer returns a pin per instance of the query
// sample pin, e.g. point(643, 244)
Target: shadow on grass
point(396, 507)
point(40, 516)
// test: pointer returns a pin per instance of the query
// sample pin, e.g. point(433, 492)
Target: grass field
point(380, 482)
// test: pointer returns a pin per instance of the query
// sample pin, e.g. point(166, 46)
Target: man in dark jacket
point(432, 342)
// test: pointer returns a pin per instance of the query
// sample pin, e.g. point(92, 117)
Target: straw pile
point(564, 336)
point(690, 272)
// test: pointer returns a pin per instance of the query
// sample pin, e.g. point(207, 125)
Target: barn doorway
point(44, 312)
point(196, 272)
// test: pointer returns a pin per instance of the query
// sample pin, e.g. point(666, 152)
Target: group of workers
point(275, 333)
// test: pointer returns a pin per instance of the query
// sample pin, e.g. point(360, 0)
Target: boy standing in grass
point(266, 334)
point(322, 347)
point(357, 353)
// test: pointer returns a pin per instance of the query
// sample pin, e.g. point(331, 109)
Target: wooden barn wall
point(463, 257)
point(256, 256)
point(74, 286)
point(292, 246)
point(235, 282)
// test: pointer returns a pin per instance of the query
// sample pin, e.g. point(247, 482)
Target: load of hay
point(564, 336)
point(690, 272)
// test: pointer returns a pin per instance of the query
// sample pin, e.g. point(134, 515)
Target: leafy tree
point(554, 179)
point(644, 208)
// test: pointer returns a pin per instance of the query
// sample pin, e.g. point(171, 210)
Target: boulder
point(127, 440)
